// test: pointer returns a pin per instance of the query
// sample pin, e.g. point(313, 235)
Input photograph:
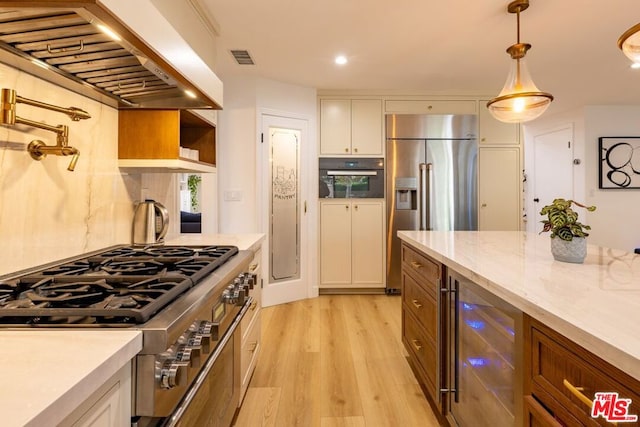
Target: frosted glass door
point(285, 204)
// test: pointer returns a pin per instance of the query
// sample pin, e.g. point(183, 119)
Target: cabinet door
point(366, 126)
point(499, 188)
point(335, 243)
point(367, 240)
point(430, 107)
point(494, 131)
point(335, 126)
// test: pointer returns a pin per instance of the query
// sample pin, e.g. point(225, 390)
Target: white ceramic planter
point(573, 251)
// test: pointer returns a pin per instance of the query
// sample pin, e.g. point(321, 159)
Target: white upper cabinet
point(351, 127)
point(493, 131)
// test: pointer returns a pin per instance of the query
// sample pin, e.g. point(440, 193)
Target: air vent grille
point(242, 57)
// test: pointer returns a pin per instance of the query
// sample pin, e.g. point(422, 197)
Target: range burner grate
point(123, 285)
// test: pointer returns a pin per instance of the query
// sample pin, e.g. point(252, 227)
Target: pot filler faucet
point(37, 148)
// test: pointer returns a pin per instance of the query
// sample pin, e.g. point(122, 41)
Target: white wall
point(238, 139)
point(614, 223)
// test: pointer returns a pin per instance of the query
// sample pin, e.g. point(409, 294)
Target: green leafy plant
point(562, 221)
point(192, 183)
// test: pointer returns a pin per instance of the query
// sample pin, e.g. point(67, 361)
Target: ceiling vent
point(242, 57)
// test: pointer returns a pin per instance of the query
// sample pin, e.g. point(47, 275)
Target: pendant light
point(629, 43)
point(520, 100)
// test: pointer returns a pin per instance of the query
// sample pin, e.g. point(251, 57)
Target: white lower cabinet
point(250, 328)
point(109, 406)
point(499, 189)
point(352, 243)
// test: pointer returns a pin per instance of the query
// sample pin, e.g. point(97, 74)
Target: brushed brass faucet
point(38, 149)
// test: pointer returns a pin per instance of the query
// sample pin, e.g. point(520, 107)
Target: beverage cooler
point(483, 379)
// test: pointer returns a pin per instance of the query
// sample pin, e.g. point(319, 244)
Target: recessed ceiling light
point(635, 65)
point(190, 93)
point(341, 60)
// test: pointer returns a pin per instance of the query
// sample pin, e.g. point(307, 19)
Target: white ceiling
point(452, 47)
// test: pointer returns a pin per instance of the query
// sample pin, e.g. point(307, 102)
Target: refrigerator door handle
point(425, 196)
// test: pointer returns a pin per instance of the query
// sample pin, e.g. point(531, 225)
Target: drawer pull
point(416, 345)
point(253, 267)
point(416, 264)
point(416, 303)
point(576, 391)
point(254, 305)
point(253, 345)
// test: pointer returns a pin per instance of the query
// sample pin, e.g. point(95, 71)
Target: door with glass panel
point(284, 199)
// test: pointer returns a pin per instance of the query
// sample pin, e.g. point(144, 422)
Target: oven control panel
point(179, 364)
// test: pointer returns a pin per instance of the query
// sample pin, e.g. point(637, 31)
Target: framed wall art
point(619, 162)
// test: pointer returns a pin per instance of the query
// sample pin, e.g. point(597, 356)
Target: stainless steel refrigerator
point(431, 178)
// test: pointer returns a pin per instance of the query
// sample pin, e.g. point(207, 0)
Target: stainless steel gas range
point(188, 302)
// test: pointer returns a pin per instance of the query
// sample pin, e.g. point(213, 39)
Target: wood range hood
point(64, 42)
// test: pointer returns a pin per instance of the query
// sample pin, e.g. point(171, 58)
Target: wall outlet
point(233, 195)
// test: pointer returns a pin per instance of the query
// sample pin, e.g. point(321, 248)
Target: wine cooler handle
point(456, 339)
point(439, 339)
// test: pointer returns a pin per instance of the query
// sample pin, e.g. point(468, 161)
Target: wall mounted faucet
point(37, 148)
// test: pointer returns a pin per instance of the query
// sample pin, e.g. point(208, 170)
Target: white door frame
point(308, 248)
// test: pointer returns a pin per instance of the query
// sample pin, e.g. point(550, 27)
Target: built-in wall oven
point(188, 302)
point(351, 178)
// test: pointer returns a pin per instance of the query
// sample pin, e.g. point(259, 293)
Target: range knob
point(189, 354)
point(199, 340)
point(173, 374)
point(250, 279)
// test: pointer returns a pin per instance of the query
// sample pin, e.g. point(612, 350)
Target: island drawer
point(421, 304)
point(557, 365)
point(422, 350)
point(424, 270)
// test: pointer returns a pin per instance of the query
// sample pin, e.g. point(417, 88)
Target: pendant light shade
point(629, 43)
point(520, 99)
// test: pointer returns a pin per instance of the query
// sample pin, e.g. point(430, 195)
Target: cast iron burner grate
point(120, 286)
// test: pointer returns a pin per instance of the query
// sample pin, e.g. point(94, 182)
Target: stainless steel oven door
point(214, 395)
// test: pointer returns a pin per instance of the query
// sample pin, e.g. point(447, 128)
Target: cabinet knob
point(355, 150)
point(483, 139)
point(346, 207)
point(416, 264)
point(346, 150)
point(429, 107)
point(356, 207)
point(484, 205)
point(416, 303)
point(416, 345)
point(536, 200)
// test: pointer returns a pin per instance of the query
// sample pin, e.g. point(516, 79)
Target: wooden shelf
point(150, 141)
point(164, 165)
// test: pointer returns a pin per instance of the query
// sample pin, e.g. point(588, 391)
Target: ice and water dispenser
point(406, 194)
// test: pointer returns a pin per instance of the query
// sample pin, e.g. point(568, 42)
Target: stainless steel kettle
point(150, 223)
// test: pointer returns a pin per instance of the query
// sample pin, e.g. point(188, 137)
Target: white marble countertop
point(595, 304)
point(242, 241)
point(47, 374)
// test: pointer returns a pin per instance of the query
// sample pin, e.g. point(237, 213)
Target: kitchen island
point(551, 335)
point(595, 304)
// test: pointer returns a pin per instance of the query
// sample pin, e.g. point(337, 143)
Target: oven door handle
point(352, 173)
point(174, 419)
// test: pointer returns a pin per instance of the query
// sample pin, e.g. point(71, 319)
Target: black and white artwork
point(619, 162)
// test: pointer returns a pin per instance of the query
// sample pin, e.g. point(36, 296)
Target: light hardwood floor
point(331, 361)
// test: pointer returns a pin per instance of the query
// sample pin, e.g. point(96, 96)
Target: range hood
point(65, 42)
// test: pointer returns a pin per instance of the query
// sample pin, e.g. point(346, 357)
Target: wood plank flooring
point(334, 361)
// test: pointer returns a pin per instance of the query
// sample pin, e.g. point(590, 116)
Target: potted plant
point(568, 235)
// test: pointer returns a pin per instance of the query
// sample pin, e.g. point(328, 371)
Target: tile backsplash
point(46, 212)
